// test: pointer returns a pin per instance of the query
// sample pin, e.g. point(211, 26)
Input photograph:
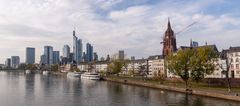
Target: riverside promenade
point(195, 91)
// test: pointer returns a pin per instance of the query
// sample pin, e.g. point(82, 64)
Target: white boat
point(73, 74)
point(91, 76)
point(46, 72)
point(28, 71)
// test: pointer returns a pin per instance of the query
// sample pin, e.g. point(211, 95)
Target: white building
point(100, 66)
point(233, 55)
point(156, 65)
point(134, 65)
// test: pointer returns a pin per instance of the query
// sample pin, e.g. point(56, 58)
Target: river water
point(19, 89)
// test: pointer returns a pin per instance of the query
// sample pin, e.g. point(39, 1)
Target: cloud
point(135, 26)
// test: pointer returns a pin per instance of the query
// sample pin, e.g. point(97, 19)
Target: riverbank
point(194, 91)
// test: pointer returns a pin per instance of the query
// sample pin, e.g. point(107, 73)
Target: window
point(237, 60)
point(236, 54)
point(237, 66)
point(232, 66)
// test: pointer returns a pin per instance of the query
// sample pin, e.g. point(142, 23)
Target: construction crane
point(184, 29)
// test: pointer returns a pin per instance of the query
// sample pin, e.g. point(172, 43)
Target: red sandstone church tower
point(169, 41)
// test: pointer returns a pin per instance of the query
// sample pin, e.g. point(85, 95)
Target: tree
point(180, 64)
point(203, 62)
point(74, 68)
point(31, 67)
point(116, 66)
point(225, 66)
point(22, 66)
point(55, 67)
point(192, 63)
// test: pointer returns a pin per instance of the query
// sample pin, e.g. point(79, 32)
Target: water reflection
point(38, 90)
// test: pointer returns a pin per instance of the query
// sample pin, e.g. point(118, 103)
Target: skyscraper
point(84, 57)
point(95, 56)
point(169, 41)
point(66, 51)
point(89, 54)
point(77, 48)
point(43, 60)
point(48, 52)
point(121, 55)
point(193, 43)
point(8, 63)
point(56, 57)
point(15, 61)
point(30, 55)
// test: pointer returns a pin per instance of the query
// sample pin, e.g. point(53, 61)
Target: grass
point(180, 84)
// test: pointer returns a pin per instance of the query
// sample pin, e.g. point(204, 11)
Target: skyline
point(113, 25)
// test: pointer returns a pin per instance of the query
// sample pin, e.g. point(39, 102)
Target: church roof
point(234, 49)
point(214, 47)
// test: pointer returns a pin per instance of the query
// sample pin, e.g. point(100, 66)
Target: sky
point(135, 26)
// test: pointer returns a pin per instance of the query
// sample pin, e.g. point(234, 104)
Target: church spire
point(169, 24)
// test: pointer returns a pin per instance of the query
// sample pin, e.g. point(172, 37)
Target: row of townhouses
point(155, 64)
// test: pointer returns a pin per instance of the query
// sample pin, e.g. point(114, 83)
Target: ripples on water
point(19, 89)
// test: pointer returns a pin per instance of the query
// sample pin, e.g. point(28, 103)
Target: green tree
point(54, 67)
point(74, 68)
point(203, 63)
point(22, 66)
point(31, 67)
point(116, 66)
point(180, 64)
point(192, 63)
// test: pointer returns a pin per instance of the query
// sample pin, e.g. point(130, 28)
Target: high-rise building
point(108, 58)
point(169, 41)
point(56, 57)
point(71, 57)
point(48, 52)
point(89, 54)
point(15, 61)
point(66, 51)
point(84, 57)
point(30, 55)
point(193, 43)
point(43, 60)
point(77, 48)
point(133, 58)
point(95, 56)
point(8, 63)
point(121, 55)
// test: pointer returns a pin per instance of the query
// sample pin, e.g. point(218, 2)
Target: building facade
point(66, 51)
point(89, 52)
point(121, 54)
point(48, 52)
point(95, 56)
point(8, 63)
point(56, 57)
point(156, 66)
point(30, 55)
point(15, 61)
point(77, 49)
point(233, 55)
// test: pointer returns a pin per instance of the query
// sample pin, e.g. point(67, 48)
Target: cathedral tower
point(169, 41)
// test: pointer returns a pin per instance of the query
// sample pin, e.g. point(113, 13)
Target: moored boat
point(46, 72)
point(28, 71)
point(74, 74)
point(91, 76)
